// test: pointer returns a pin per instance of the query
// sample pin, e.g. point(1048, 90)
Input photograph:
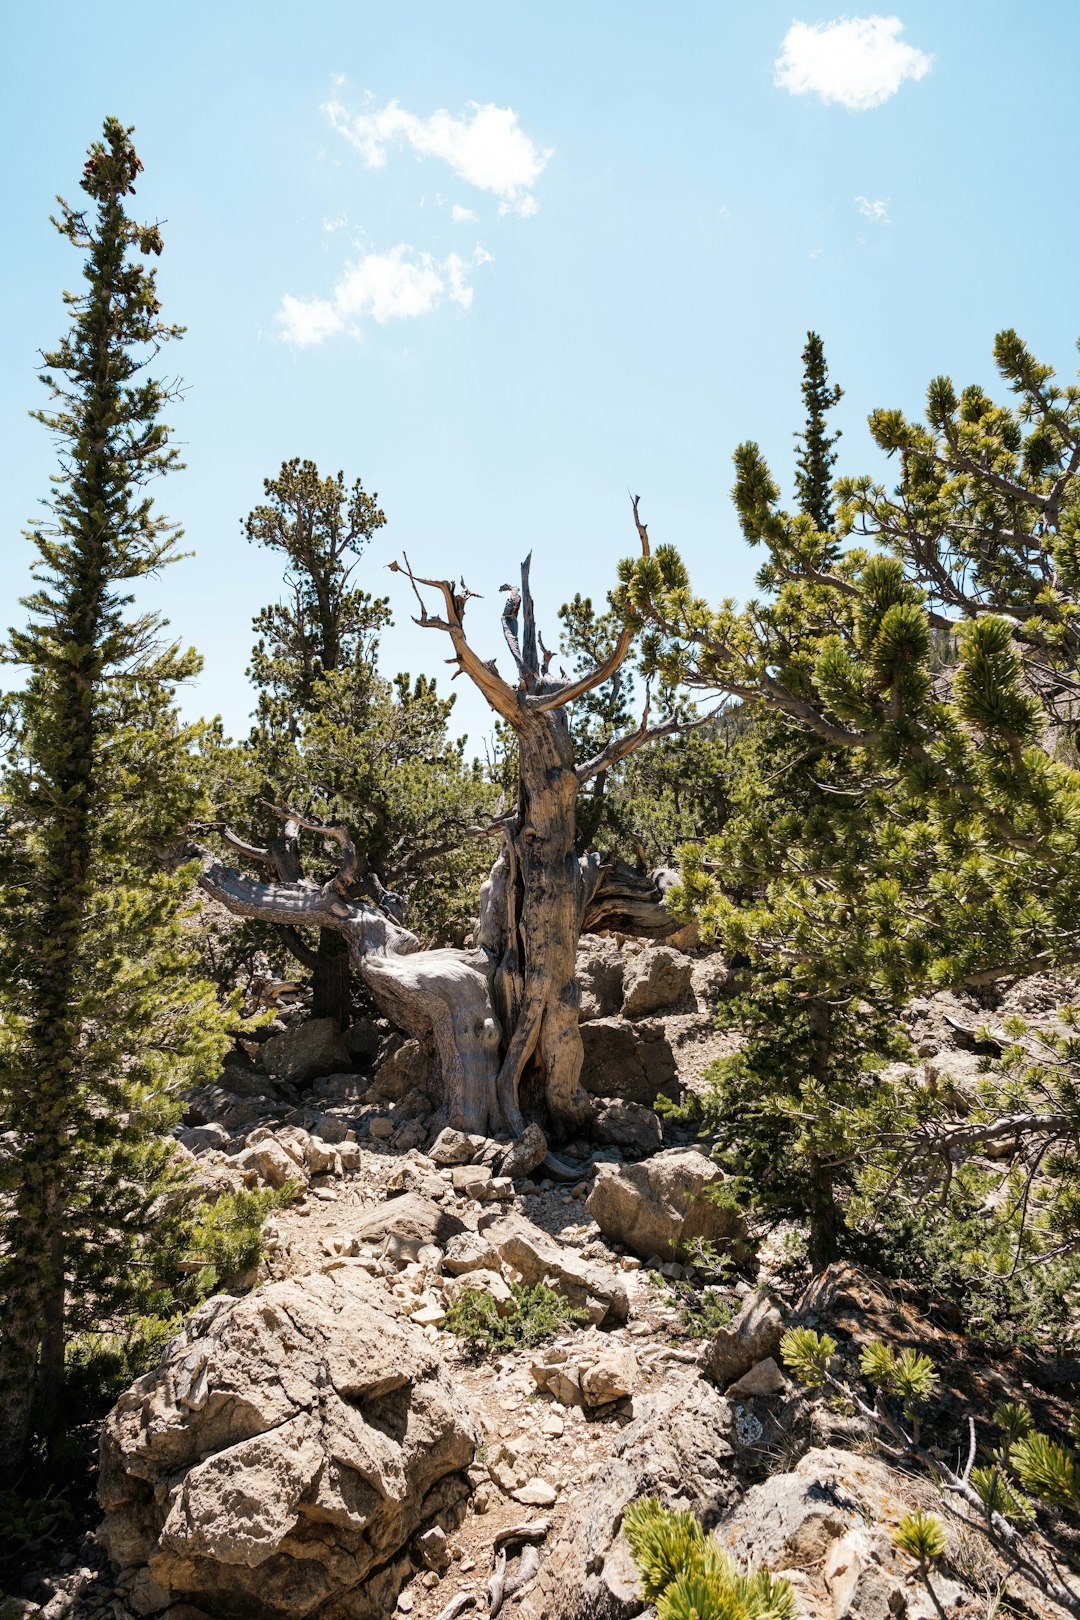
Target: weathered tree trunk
point(330, 980)
point(503, 1017)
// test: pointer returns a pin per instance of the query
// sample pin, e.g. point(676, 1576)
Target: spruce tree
point(104, 1018)
point(817, 452)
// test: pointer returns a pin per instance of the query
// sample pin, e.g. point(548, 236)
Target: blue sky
point(550, 253)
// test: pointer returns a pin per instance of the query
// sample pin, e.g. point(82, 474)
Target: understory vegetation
point(863, 785)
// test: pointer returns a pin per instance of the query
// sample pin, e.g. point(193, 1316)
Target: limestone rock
point(656, 979)
point(629, 1126)
point(679, 1448)
point(490, 1283)
point(536, 1493)
point(632, 1061)
point(407, 1223)
point(469, 1251)
point(753, 1335)
point(304, 1052)
point(405, 1069)
point(452, 1147)
point(764, 1378)
point(214, 1105)
point(832, 1513)
point(540, 1259)
point(200, 1138)
point(283, 1453)
point(525, 1155)
point(600, 977)
point(271, 1163)
point(610, 1376)
point(655, 1207)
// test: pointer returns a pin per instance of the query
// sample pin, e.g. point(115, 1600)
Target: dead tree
point(503, 1017)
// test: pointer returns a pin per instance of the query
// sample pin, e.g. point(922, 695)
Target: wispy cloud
point(463, 216)
point(399, 284)
point(335, 222)
point(486, 146)
point(874, 208)
point(857, 61)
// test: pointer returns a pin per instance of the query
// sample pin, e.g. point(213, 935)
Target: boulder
point(317, 1156)
point(199, 1138)
point(304, 1052)
point(763, 1379)
point(656, 1207)
point(539, 1259)
point(600, 977)
point(631, 1061)
point(610, 1376)
point(832, 1513)
point(214, 1105)
point(405, 1069)
point(408, 1223)
point(281, 1456)
point(456, 1147)
point(525, 1155)
point(269, 1161)
point(469, 1251)
point(680, 1449)
point(655, 979)
point(363, 1040)
point(631, 1127)
point(751, 1337)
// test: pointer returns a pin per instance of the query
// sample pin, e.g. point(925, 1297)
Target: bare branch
point(484, 676)
point(619, 747)
point(348, 862)
point(572, 691)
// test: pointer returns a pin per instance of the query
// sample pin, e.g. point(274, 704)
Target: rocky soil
point(319, 1444)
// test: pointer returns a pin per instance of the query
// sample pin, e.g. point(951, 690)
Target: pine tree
point(325, 630)
point(104, 1018)
point(817, 453)
point(339, 743)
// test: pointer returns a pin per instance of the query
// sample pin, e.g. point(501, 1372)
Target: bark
point(330, 980)
point(504, 1016)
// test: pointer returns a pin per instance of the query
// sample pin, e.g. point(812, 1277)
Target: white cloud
point(336, 222)
point(396, 285)
point(486, 147)
point(876, 209)
point(858, 61)
point(463, 216)
point(304, 321)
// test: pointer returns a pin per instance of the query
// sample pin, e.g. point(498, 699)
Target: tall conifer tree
point(817, 446)
point(103, 1017)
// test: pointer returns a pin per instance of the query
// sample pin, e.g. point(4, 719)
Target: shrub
point(689, 1577)
point(535, 1315)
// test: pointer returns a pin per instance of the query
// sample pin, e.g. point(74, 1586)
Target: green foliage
point(534, 1315)
point(817, 455)
point(224, 1241)
point(337, 740)
point(909, 1375)
point(808, 1354)
point(659, 796)
point(703, 1308)
point(104, 1016)
point(29, 1525)
point(689, 1577)
point(998, 1495)
point(1048, 1470)
point(921, 1536)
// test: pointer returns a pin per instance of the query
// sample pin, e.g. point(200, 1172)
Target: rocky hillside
point(450, 1378)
